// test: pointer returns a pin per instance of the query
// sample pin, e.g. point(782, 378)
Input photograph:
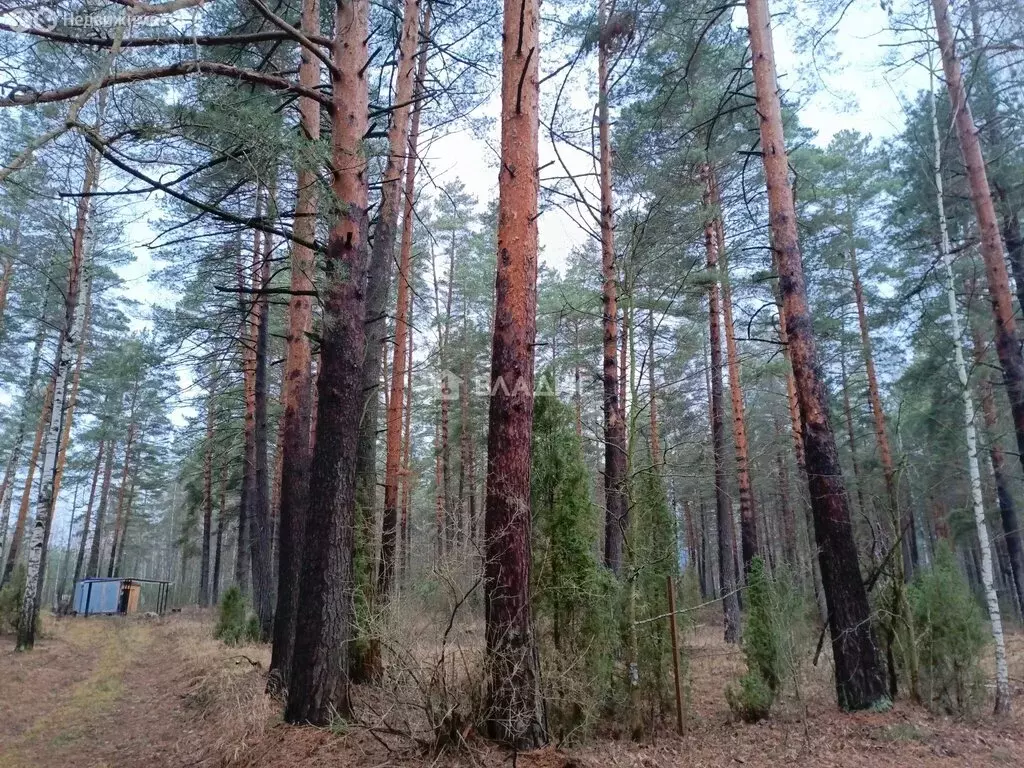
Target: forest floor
point(122, 693)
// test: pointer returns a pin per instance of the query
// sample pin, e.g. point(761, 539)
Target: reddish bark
point(382, 256)
point(748, 511)
point(403, 329)
point(723, 504)
point(10, 471)
point(72, 399)
point(296, 449)
point(221, 520)
point(1007, 340)
point(905, 521)
point(789, 547)
point(652, 386)
point(515, 707)
point(318, 684)
point(407, 477)
point(614, 421)
point(859, 681)
point(1004, 496)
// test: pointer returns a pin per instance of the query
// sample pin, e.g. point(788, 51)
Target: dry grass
point(165, 693)
point(223, 688)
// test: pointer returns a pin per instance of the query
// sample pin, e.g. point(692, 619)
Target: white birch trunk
point(66, 348)
point(1002, 673)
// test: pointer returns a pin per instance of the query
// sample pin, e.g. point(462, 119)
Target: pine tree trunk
point(1002, 689)
point(723, 504)
point(382, 256)
point(515, 707)
point(204, 561)
point(858, 673)
point(851, 439)
point(903, 527)
point(656, 457)
point(297, 417)
point(403, 331)
point(93, 568)
point(221, 519)
point(790, 550)
point(261, 531)
point(1008, 345)
point(1004, 495)
point(128, 507)
point(80, 561)
point(8, 273)
point(318, 684)
point(748, 511)
point(119, 510)
point(614, 425)
point(243, 557)
point(407, 476)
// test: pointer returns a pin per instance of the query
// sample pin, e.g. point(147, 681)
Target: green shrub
point(753, 701)
point(772, 638)
point(236, 624)
point(573, 597)
point(951, 636)
point(10, 601)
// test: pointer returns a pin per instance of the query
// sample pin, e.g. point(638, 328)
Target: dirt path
point(66, 691)
point(96, 693)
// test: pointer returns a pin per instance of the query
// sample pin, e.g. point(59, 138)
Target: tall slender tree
point(318, 684)
point(515, 708)
point(859, 682)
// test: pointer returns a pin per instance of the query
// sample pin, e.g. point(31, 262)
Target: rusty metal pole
point(675, 652)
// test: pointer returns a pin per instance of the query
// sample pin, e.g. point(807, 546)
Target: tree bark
point(515, 708)
point(1002, 688)
point(1004, 495)
point(71, 331)
point(11, 470)
point(748, 511)
point(902, 523)
point(614, 425)
point(399, 373)
point(407, 476)
point(318, 684)
point(295, 448)
point(93, 568)
point(221, 519)
point(204, 561)
point(858, 673)
point(26, 495)
point(1007, 340)
point(80, 561)
point(247, 335)
point(723, 504)
point(261, 532)
point(382, 256)
point(125, 469)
